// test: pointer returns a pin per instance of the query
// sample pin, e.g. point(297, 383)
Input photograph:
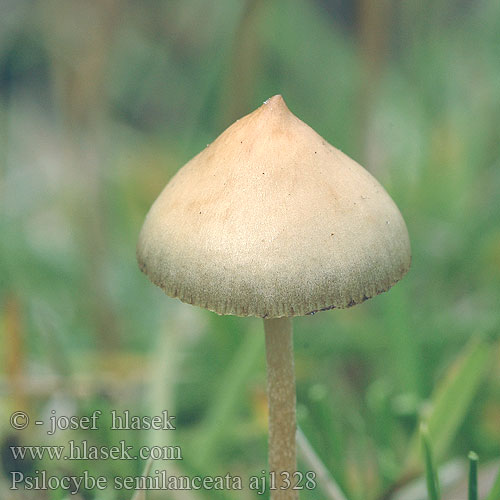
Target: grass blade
point(141, 494)
point(473, 460)
point(453, 398)
point(233, 384)
point(495, 491)
point(326, 482)
point(430, 470)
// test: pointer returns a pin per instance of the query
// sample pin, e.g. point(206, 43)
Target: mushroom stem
point(281, 401)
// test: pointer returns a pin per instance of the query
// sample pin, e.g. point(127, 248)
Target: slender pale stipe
point(281, 400)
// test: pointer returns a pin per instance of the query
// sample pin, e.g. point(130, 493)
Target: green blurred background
point(101, 101)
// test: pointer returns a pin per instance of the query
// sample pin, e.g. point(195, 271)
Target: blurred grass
point(100, 104)
point(454, 396)
point(431, 474)
point(495, 490)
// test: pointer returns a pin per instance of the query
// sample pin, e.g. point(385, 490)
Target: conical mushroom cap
point(270, 220)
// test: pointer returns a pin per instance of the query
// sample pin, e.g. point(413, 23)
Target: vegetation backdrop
point(101, 101)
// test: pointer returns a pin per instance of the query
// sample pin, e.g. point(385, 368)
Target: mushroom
point(272, 221)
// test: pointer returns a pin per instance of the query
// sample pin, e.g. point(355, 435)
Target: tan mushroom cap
point(270, 220)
